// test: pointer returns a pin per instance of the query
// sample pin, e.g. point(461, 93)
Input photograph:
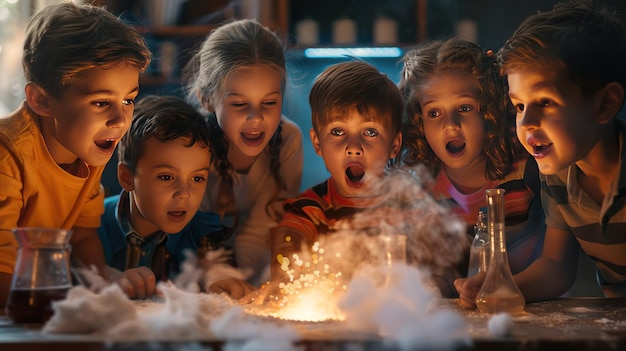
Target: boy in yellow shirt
point(82, 68)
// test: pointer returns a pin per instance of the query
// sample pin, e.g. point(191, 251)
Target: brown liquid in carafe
point(33, 305)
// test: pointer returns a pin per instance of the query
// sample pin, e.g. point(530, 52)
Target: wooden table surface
point(561, 324)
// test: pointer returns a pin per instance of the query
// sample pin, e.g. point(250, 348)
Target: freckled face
point(454, 126)
point(250, 110)
point(554, 121)
point(90, 118)
point(168, 185)
point(356, 152)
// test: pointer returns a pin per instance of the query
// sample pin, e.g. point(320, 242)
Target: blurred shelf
point(153, 79)
point(177, 31)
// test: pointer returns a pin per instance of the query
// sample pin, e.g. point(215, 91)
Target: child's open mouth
point(176, 216)
point(105, 144)
point(455, 147)
point(252, 138)
point(354, 176)
point(541, 150)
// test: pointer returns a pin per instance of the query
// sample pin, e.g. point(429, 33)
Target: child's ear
point(610, 101)
point(397, 144)
point(38, 99)
point(316, 142)
point(125, 177)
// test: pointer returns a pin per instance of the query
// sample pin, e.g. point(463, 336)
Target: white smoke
point(390, 301)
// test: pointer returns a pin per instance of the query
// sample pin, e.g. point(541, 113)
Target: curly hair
point(501, 148)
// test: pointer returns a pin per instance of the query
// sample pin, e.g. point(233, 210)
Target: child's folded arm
point(554, 272)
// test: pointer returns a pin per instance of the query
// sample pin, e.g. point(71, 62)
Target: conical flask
point(499, 292)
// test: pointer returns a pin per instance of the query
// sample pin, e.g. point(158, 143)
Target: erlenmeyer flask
point(499, 292)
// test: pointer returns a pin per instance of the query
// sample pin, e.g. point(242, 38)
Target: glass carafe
point(499, 292)
point(41, 275)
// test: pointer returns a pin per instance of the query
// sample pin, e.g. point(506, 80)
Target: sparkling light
point(311, 294)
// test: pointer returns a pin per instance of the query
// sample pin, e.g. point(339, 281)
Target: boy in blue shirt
point(163, 169)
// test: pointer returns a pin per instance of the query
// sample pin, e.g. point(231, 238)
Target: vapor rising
point(349, 283)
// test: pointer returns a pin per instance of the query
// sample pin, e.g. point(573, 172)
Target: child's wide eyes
point(466, 108)
point(545, 103)
point(101, 103)
point(198, 179)
point(433, 114)
point(337, 132)
point(370, 132)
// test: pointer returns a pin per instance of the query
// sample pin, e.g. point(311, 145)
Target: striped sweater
point(600, 229)
point(524, 217)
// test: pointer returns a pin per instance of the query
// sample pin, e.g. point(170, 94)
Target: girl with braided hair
point(238, 77)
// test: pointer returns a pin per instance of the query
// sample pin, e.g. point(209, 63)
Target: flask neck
point(497, 241)
point(495, 221)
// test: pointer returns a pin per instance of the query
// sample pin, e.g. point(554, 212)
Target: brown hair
point(589, 42)
point(65, 39)
point(165, 118)
point(355, 86)
point(501, 148)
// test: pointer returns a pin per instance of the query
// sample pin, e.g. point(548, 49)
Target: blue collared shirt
point(163, 253)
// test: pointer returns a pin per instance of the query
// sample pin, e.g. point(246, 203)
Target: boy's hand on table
point(468, 289)
point(234, 287)
point(137, 283)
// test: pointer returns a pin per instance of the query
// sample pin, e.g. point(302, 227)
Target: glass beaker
point(41, 275)
point(393, 248)
point(392, 254)
point(499, 292)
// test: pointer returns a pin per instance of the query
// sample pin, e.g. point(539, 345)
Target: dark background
point(495, 21)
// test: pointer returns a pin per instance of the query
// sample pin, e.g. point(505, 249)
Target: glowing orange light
point(311, 294)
